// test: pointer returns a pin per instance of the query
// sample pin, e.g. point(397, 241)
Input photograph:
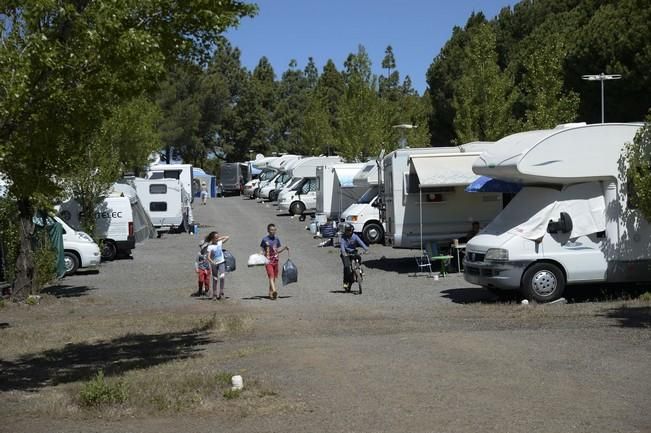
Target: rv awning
point(444, 169)
point(345, 175)
point(488, 184)
point(367, 176)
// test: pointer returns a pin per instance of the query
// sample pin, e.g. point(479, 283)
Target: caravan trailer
point(573, 221)
point(166, 202)
point(425, 199)
point(181, 172)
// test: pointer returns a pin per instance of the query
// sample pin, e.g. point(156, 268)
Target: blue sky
point(295, 29)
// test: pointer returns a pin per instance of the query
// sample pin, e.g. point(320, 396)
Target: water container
point(238, 383)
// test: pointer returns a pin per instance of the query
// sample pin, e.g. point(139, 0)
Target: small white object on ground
point(525, 302)
point(436, 277)
point(559, 301)
point(237, 382)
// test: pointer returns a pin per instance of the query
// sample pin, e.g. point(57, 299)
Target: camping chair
point(431, 252)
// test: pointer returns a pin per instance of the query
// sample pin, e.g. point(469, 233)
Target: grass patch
point(232, 394)
point(645, 297)
point(223, 379)
point(2, 303)
point(99, 392)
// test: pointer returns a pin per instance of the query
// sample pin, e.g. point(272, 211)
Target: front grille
point(475, 257)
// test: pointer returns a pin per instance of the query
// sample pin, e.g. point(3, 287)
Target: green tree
point(289, 115)
point(311, 73)
point(638, 160)
point(125, 140)
point(389, 85)
point(63, 67)
point(483, 95)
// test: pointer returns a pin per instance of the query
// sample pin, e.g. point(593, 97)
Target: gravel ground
point(411, 354)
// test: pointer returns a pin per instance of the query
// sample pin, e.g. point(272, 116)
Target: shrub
point(98, 392)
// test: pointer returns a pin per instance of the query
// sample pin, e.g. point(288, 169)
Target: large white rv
point(166, 202)
point(283, 166)
point(181, 172)
point(300, 197)
point(336, 190)
point(574, 220)
point(425, 199)
point(364, 214)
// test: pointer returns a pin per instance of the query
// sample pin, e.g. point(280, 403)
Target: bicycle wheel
point(359, 278)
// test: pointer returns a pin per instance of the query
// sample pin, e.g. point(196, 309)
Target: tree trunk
point(25, 269)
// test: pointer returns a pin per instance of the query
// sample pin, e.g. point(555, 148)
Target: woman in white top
point(215, 254)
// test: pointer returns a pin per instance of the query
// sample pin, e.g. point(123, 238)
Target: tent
point(200, 176)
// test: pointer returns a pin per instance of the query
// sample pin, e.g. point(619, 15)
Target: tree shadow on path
point(81, 361)
point(631, 317)
point(67, 291)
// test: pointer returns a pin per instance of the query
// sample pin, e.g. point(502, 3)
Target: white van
point(80, 250)
point(364, 215)
point(573, 221)
point(336, 190)
point(120, 221)
point(181, 172)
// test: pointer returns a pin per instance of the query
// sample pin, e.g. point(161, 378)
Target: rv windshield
point(267, 174)
point(522, 209)
point(369, 195)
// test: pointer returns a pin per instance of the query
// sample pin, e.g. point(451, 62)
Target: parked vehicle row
point(571, 222)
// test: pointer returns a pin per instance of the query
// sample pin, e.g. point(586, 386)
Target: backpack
point(229, 261)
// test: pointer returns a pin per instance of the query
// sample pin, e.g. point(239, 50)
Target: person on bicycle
point(348, 245)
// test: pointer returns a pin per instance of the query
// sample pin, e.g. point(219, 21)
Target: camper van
point(364, 214)
point(181, 172)
point(301, 196)
point(425, 199)
point(265, 173)
point(166, 202)
point(282, 179)
point(336, 190)
point(80, 250)
point(573, 222)
point(231, 178)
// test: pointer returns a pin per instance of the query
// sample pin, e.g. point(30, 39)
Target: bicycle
point(358, 273)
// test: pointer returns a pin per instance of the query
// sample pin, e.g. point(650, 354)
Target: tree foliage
point(65, 65)
point(638, 160)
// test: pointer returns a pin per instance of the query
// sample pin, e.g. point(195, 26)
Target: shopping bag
point(257, 260)
point(290, 273)
point(229, 261)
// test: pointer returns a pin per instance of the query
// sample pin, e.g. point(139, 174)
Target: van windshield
point(267, 174)
point(369, 195)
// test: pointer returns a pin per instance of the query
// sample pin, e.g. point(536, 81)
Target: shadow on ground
point(75, 362)
point(67, 291)
point(631, 317)
point(403, 265)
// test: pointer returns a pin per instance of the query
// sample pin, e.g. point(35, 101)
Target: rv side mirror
point(563, 225)
point(376, 203)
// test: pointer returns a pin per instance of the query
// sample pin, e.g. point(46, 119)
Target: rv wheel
point(256, 193)
point(543, 282)
point(71, 262)
point(109, 251)
point(273, 196)
point(373, 233)
point(297, 208)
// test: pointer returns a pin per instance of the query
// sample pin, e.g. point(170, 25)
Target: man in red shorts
point(271, 249)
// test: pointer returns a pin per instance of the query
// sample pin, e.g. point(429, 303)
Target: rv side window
point(158, 206)
point(156, 175)
point(158, 188)
point(172, 174)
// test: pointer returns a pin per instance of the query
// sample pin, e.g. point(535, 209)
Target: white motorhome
point(364, 214)
point(181, 172)
point(283, 166)
point(266, 173)
point(166, 202)
point(301, 198)
point(336, 190)
point(425, 199)
point(573, 222)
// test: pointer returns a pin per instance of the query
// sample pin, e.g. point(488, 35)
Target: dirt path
point(409, 355)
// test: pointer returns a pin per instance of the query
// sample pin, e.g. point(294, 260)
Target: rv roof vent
point(570, 125)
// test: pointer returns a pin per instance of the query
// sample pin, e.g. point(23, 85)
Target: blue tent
point(488, 184)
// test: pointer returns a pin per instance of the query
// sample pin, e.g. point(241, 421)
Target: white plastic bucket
point(237, 382)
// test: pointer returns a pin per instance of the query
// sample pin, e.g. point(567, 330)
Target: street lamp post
point(601, 77)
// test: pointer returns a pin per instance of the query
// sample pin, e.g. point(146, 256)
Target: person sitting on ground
point(348, 246)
